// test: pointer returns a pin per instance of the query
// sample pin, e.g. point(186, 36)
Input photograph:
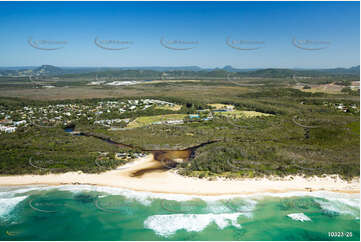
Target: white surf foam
point(146, 198)
point(166, 225)
point(8, 204)
point(299, 217)
point(217, 204)
point(341, 206)
point(12, 191)
point(182, 197)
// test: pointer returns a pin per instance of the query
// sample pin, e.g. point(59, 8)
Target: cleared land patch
point(148, 120)
point(221, 106)
point(242, 114)
point(325, 88)
point(169, 107)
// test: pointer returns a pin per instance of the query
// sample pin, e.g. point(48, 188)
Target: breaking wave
point(341, 206)
point(299, 217)
point(328, 201)
point(8, 204)
point(166, 225)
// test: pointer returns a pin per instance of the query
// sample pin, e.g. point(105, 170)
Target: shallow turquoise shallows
point(100, 213)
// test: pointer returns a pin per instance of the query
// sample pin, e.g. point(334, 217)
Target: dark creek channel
point(166, 159)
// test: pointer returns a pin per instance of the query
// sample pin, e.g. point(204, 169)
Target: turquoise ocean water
point(101, 213)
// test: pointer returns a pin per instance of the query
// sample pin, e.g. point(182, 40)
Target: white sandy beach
point(170, 182)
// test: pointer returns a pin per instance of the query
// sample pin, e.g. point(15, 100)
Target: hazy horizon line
point(202, 67)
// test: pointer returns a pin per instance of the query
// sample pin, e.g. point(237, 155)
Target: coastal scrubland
point(274, 128)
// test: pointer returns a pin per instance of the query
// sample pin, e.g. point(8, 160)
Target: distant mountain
point(272, 72)
point(165, 68)
point(44, 70)
point(48, 70)
point(355, 68)
point(282, 73)
point(232, 69)
point(352, 70)
point(152, 68)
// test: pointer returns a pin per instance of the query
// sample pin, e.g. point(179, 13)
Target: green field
point(145, 121)
point(236, 114)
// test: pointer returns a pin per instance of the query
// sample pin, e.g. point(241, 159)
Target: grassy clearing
point(242, 114)
point(168, 107)
point(221, 106)
point(325, 88)
point(148, 120)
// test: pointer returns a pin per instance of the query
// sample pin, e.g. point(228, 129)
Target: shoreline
point(168, 182)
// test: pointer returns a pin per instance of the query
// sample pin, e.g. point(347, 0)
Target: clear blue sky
point(208, 23)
